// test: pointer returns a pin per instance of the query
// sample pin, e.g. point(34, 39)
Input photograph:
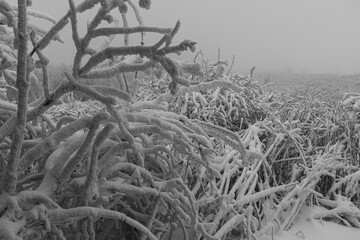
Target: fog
point(313, 36)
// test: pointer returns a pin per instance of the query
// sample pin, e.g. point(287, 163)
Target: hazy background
point(312, 36)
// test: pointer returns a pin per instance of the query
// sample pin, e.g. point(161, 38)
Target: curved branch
point(66, 215)
point(128, 30)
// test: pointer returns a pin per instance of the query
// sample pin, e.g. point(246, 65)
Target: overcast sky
point(315, 36)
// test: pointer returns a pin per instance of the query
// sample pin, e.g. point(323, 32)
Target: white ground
point(305, 228)
point(316, 230)
point(313, 229)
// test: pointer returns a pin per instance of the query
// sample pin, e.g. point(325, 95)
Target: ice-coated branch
point(88, 90)
point(64, 120)
point(78, 157)
point(153, 215)
point(229, 225)
point(127, 188)
point(131, 168)
point(100, 16)
point(109, 39)
point(9, 181)
point(173, 69)
point(136, 12)
point(45, 41)
point(110, 159)
point(137, 117)
point(167, 38)
point(92, 175)
point(226, 135)
point(85, 5)
point(7, 61)
point(53, 140)
point(42, 32)
point(26, 196)
point(44, 61)
point(37, 14)
point(46, 118)
point(83, 44)
point(111, 52)
point(7, 11)
point(183, 46)
point(212, 85)
point(4, 105)
point(112, 91)
point(192, 68)
point(7, 127)
point(58, 159)
point(67, 215)
point(256, 196)
point(145, 4)
point(125, 25)
point(127, 30)
point(151, 52)
point(123, 125)
point(73, 18)
point(119, 68)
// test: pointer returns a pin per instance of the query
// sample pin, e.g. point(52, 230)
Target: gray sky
point(316, 36)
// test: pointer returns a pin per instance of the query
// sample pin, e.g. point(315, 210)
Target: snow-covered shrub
point(120, 171)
